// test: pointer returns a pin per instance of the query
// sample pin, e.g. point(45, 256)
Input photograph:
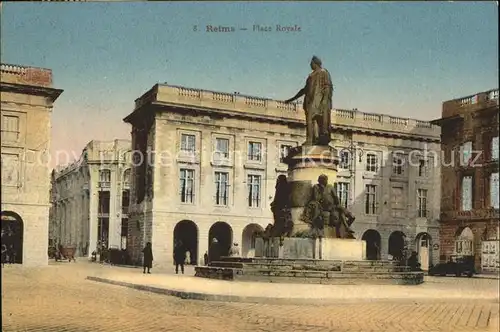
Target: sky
point(402, 59)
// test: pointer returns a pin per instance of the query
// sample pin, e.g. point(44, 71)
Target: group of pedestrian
point(183, 256)
point(8, 254)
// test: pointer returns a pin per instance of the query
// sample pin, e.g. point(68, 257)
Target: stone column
point(114, 211)
point(203, 229)
point(93, 211)
point(64, 222)
point(73, 240)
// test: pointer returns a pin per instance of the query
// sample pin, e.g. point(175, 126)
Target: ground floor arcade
point(24, 232)
point(196, 234)
point(398, 245)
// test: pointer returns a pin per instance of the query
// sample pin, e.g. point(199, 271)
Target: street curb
point(186, 295)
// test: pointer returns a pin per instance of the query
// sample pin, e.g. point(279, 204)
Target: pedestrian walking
point(4, 254)
point(205, 258)
point(179, 257)
point(148, 258)
point(12, 255)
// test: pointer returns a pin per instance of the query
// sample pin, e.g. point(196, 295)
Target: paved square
point(58, 298)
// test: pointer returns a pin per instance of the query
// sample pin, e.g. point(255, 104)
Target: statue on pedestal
point(325, 214)
point(317, 104)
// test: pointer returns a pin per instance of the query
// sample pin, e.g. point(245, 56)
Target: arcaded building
point(90, 198)
point(205, 165)
point(27, 99)
point(469, 185)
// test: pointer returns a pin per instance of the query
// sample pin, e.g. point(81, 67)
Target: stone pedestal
point(305, 164)
point(341, 249)
point(304, 248)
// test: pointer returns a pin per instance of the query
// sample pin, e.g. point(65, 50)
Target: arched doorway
point(372, 238)
point(464, 242)
point(248, 239)
point(423, 245)
point(186, 231)
point(397, 245)
point(12, 236)
point(224, 235)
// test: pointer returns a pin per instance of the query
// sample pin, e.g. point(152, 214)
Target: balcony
point(104, 184)
point(476, 214)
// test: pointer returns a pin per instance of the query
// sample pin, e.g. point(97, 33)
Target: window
point(494, 186)
point(397, 165)
point(222, 147)
point(284, 151)
point(345, 159)
point(371, 162)
point(422, 168)
point(187, 185)
point(125, 201)
point(397, 202)
point(343, 193)
point(124, 233)
point(105, 177)
point(104, 202)
point(466, 193)
point(221, 188)
point(253, 190)
point(466, 153)
point(254, 151)
point(494, 148)
point(370, 199)
point(126, 178)
point(422, 203)
point(10, 128)
point(188, 143)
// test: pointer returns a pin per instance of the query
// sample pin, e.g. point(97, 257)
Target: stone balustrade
point(471, 103)
point(258, 106)
point(26, 75)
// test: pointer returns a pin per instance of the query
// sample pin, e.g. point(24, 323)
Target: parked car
point(456, 265)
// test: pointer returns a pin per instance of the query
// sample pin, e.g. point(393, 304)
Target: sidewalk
point(190, 287)
point(487, 276)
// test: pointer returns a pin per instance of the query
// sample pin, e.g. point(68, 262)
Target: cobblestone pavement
point(58, 298)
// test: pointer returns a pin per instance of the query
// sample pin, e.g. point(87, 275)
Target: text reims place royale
point(255, 27)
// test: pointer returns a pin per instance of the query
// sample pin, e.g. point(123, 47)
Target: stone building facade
point(27, 98)
point(213, 159)
point(90, 198)
point(470, 200)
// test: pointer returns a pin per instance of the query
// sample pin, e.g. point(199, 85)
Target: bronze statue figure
point(324, 212)
point(317, 104)
point(280, 207)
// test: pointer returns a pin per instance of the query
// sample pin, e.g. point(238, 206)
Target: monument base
point(305, 248)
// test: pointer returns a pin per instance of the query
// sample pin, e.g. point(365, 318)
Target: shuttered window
point(466, 193)
point(10, 128)
point(494, 190)
point(494, 148)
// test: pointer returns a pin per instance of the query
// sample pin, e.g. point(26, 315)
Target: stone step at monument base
point(309, 271)
point(310, 277)
point(280, 261)
point(331, 266)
